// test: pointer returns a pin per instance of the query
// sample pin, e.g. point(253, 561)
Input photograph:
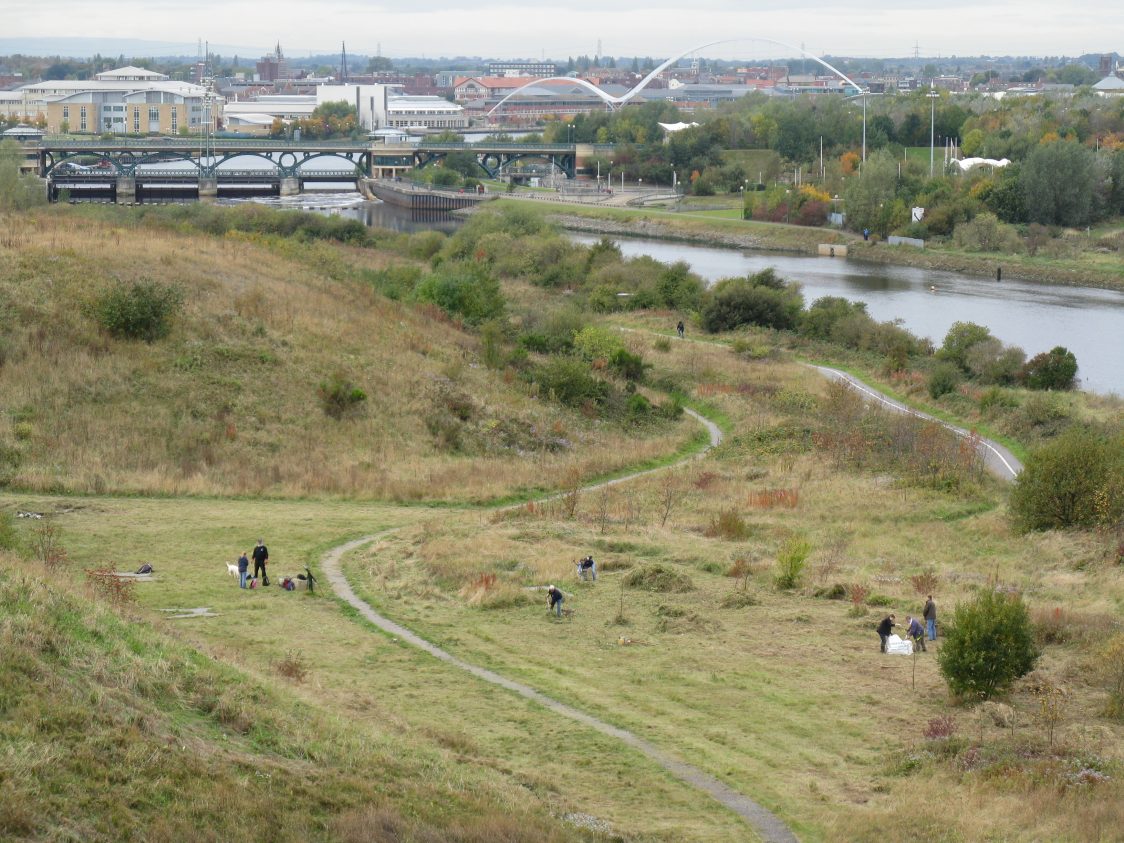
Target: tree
point(752, 301)
point(1075, 480)
point(987, 646)
point(1053, 369)
point(17, 191)
point(869, 194)
point(959, 339)
point(1057, 182)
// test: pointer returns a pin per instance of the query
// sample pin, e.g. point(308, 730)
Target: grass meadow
point(782, 693)
point(285, 716)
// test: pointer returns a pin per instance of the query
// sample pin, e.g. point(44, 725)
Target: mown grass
point(368, 684)
point(111, 730)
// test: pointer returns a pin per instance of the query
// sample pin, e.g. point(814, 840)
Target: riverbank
point(777, 237)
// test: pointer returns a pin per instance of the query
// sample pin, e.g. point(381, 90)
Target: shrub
point(738, 600)
point(939, 728)
point(762, 299)
point(570, 382)
point(1076, 480)
point(142, 310)
point(662, 344)
point(339, 396)
point(1053, 369)
point(944, 379)
point(464, 290)
point(119, 591)
point(728, 524)
point(987, 646)
point(628, 365)
point(791, 560)
point(293, 665)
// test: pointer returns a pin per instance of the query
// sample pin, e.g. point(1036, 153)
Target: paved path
point(998, 460)
point(767, 825)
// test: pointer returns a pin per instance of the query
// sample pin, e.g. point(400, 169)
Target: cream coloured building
point(128, 100)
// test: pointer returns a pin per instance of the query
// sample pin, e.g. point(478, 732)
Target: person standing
point(261, 556)
point(930, 615)
point(884, 629)
point(679, 329)
point(587, 566)
point(916, 633)
point(243, 569)
point(554, 595)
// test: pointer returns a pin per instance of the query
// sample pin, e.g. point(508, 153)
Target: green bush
point(569, 381)
point(464, 290)
point(762, 299)
point(791, 559)
point(339, 396)
point(141, 310)
point(944, 379)
point(988, 645)
point(9, 538)
point(1053, 369)
point(1076, 480)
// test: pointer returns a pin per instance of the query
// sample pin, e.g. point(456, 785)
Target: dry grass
point(787, 681)
point(228, 403)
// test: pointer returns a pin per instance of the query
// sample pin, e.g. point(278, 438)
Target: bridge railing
point(96, 143)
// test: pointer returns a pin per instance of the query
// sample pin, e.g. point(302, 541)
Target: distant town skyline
point(491, 28)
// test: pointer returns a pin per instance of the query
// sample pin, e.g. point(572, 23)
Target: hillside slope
point(110, 731)
point(229, 402)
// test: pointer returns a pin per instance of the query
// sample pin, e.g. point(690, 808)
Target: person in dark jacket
point(884, 630)
point(930, 615)
point(243, 569)
point(555, 596)
point(679, 329)
point(587, 566)
point(916, 633)
point(261, 556)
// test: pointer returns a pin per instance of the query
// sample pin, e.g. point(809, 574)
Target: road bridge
point(128, 165)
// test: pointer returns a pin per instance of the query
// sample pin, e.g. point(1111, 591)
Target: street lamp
point(932, 95)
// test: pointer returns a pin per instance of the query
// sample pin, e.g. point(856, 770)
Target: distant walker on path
point(679, 329)
point(261, 556)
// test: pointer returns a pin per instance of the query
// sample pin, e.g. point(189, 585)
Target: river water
point(1036, 317)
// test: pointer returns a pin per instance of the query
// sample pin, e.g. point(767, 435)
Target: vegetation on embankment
point(692, 635)
point(1087, 266)
point(284, 367)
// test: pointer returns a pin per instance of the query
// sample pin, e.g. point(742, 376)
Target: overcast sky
point(658, 27)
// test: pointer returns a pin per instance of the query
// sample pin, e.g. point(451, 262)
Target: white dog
point(232, 569)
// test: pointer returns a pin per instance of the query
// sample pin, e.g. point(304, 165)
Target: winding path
point(766, 824)
point(998, 460)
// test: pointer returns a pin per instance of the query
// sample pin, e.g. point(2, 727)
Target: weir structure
point(130, 167)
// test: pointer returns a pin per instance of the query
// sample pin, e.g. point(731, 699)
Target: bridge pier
point(290, 186)
point(126, 190)
point(208, 187)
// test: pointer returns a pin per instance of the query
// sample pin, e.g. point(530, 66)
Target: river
point(1036, 317)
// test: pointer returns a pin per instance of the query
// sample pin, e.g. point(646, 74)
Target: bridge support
point(290, 186)
point(126, 189)
point(208, 187)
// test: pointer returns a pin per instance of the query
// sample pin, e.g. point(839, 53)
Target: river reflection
point(1035, 317)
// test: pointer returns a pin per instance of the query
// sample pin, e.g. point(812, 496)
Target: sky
point(499, 29)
